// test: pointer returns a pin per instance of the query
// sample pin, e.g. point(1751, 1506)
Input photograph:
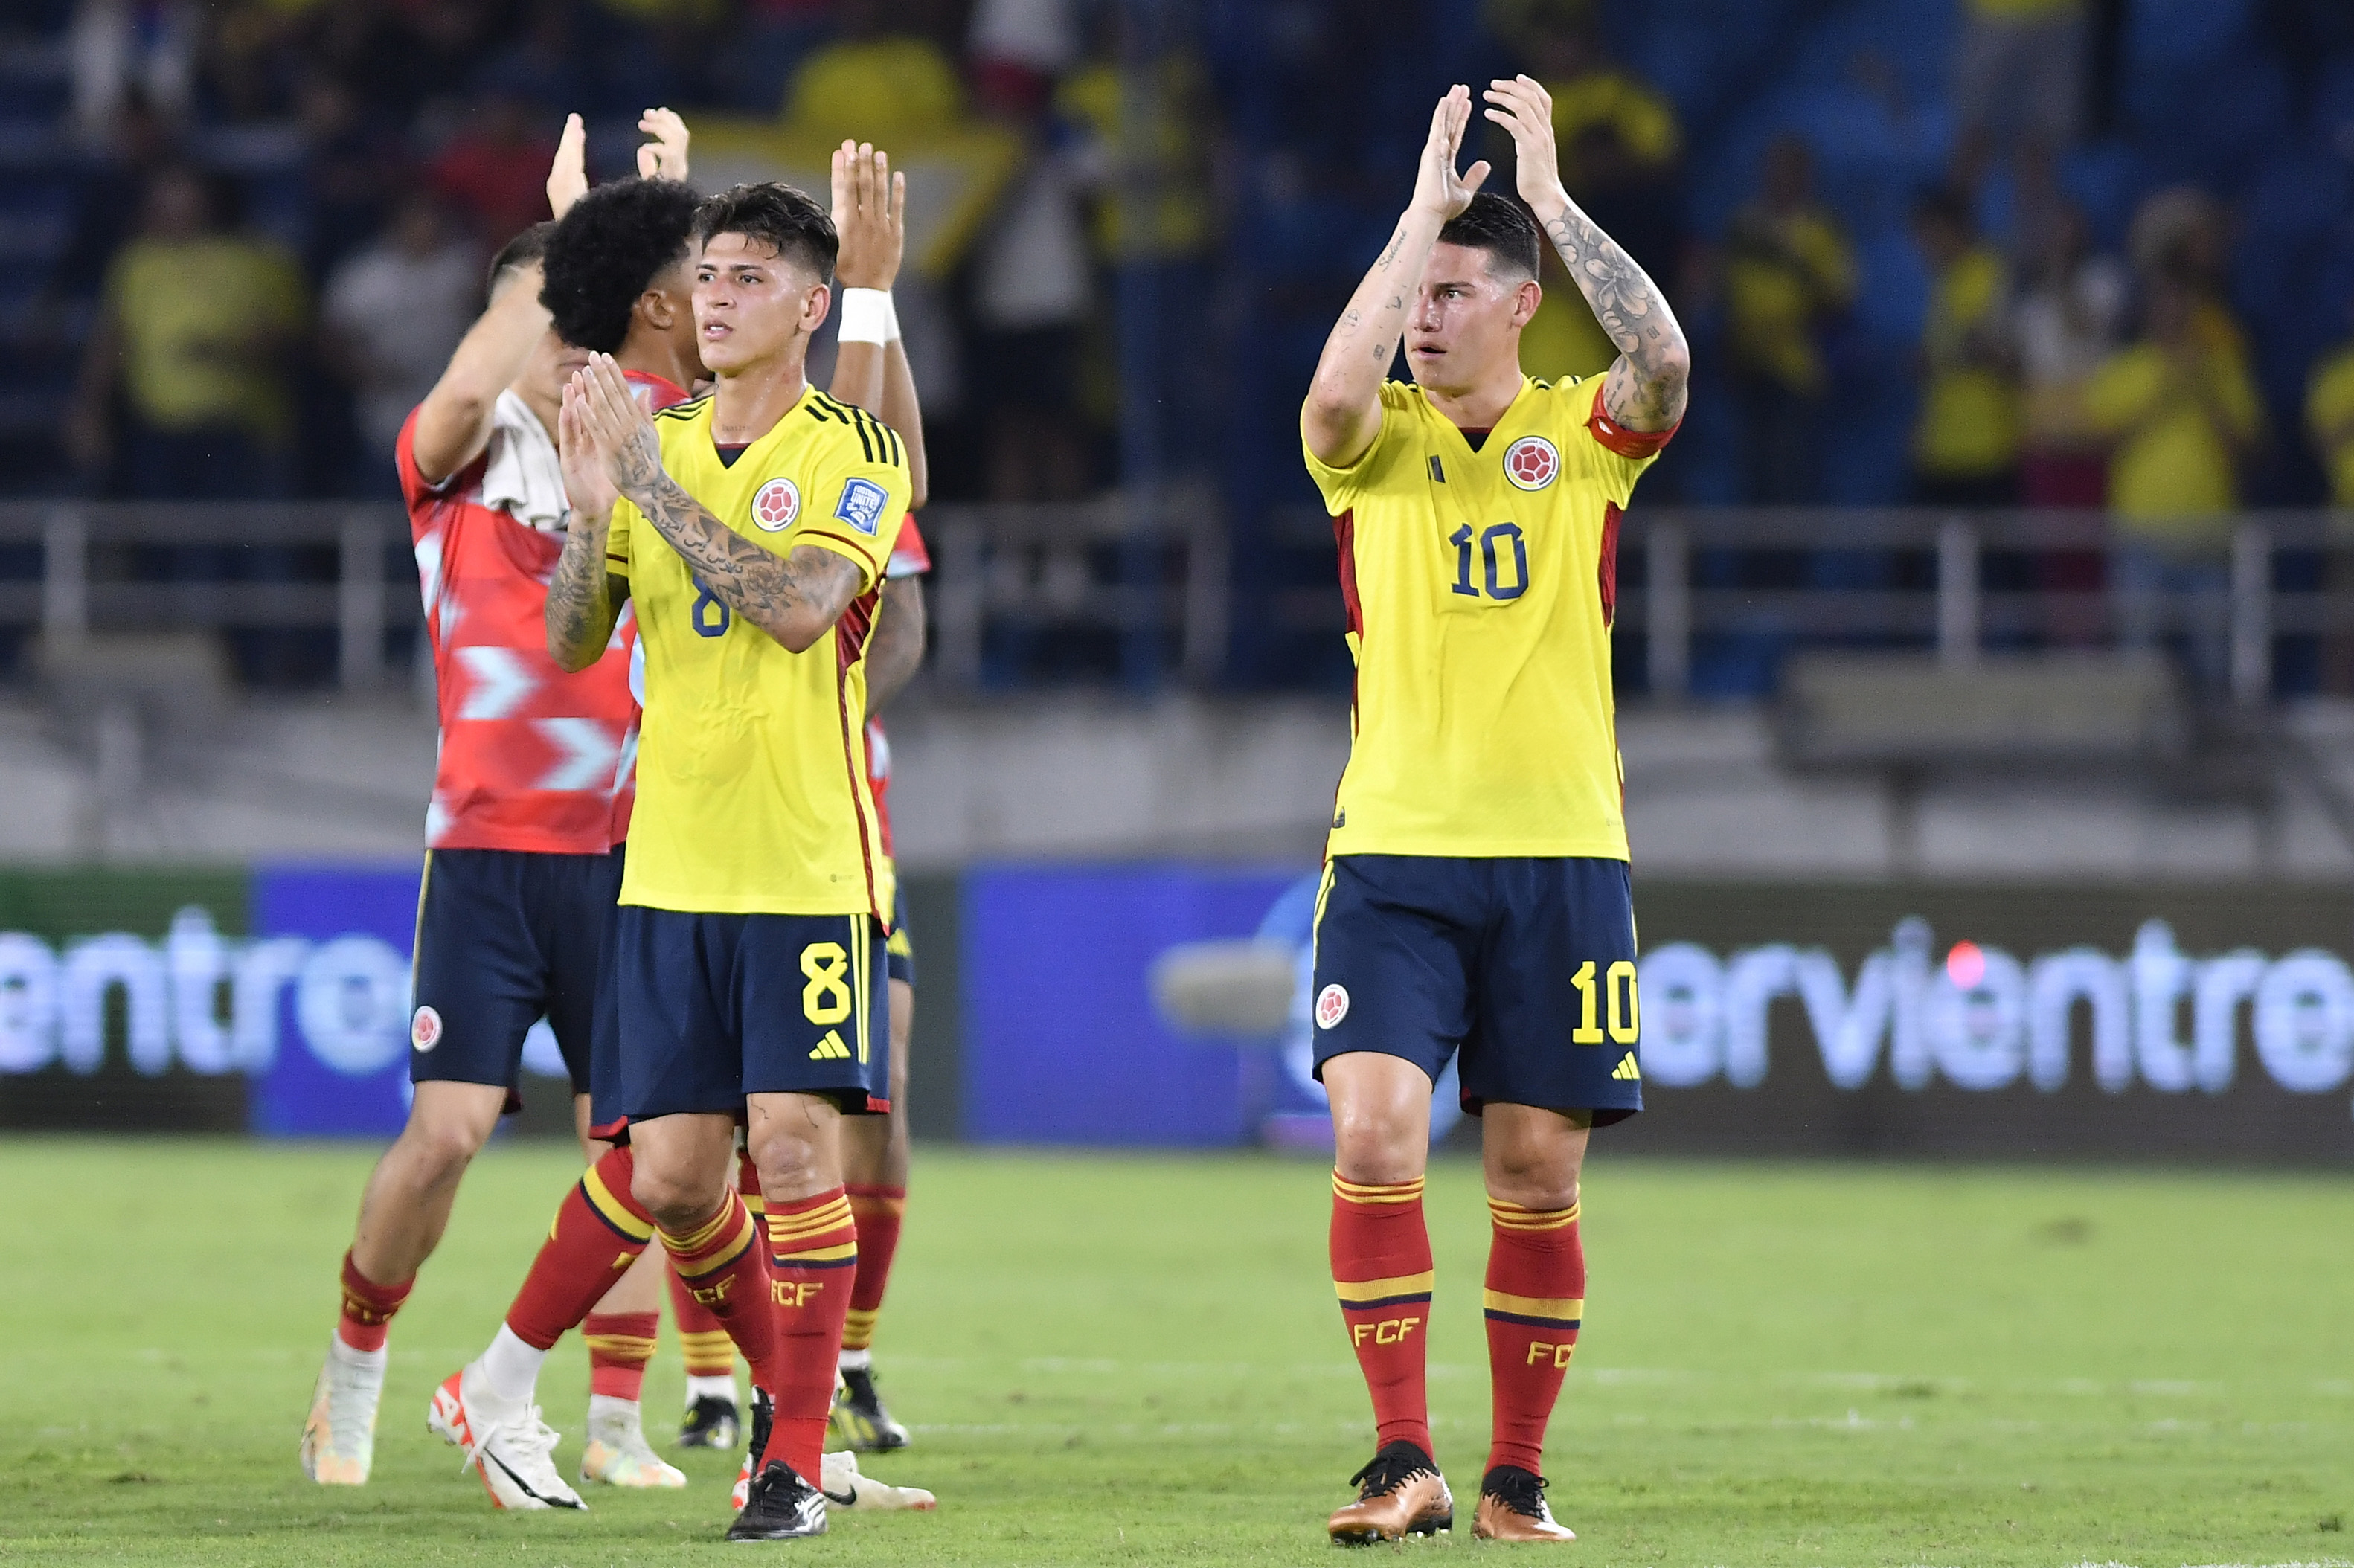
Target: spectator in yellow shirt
point(196, 327)
point(2329, 421)
point(1788, 272)
point(1966, 443)
point(874, 82)
point(2179, 414)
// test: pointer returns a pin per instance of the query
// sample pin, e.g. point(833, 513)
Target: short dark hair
point(771, 211)
point(1500, 226)
point(607, 251)
point(521, 251)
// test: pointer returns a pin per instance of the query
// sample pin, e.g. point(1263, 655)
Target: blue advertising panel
point(1062, 1044)
point(324, 988)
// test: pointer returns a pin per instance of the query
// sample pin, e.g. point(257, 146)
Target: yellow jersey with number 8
point(1480, 583)
point(752, 792)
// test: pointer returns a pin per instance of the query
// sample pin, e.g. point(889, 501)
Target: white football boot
point(617, 1454)
point(339, 1436)
point(845, 1487)
point(509, 1446)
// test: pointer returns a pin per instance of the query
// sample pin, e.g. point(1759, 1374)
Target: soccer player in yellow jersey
point(750, 528)
point(1476, 896)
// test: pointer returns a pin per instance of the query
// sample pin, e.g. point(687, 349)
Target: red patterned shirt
point(908, 559)
point(531, 758)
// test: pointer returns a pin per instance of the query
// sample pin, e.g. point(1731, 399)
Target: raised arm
point(1344, 412)
point(870, 213)
point(585, 596)
point(454, 423)
point(795, 598)
point(1646, 388)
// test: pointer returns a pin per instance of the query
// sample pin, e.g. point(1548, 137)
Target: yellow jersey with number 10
point(1480, 586)
point(752, 792)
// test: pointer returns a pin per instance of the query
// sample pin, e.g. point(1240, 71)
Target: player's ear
point(659, 309)
point(814, 306)
point(1525, 300)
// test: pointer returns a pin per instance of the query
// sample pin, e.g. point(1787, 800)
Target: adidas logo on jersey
point(1625, 1071)
point(831, 1048)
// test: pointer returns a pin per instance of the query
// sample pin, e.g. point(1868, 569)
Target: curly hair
point(607, 251)
point(788, 220)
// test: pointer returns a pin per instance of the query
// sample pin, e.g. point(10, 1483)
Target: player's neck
point(747, 405)
point(1482, 405)
point(659, 353)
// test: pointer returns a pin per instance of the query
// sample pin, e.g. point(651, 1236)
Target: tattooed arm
point(585, 596)
point(795, 598)
point(1646, 388)
point(1344, 414)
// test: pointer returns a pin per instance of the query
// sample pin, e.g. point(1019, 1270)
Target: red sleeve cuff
point(1628, 443)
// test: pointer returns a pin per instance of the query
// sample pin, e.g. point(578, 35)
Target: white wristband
point(891, 331)
point(867, 316)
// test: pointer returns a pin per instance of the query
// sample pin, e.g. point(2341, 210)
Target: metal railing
point(1912, 577)
point(183, 567)
point(1148, 580)
point(1158, 585)
point(1954, 611)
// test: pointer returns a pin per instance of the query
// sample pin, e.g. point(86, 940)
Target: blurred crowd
point(2052, 365)
point(2051, 253)
point(276, 213)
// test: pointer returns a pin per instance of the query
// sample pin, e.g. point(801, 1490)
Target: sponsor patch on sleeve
point(862, 504)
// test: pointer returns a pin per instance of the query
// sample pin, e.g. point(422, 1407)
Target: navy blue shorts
point(717, 1007)
point(606, 1120)
point(1526, 965)
point(505, 938)
point(899, 953)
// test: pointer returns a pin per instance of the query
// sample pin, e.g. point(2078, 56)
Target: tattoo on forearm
point(767, 589)
point(1376, 317)
point(579, 604)
point(1631, 310)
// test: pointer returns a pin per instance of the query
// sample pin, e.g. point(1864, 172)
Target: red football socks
point(620, 1345)
point(1381, 1268)
point(813, 1260)
point(369, 1308)
point(599, 1230)
point(877, 1210)
point(702, 1338)
point(1534, 1300)
point(723, 1265)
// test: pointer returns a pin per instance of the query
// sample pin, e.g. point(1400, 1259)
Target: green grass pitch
point(1138, 1360)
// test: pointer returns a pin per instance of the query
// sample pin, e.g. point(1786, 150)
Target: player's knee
point(1377, 1149)
point(1532, 1177)
point(790, 1165)
point(677, 1200)
point(442, 1146)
